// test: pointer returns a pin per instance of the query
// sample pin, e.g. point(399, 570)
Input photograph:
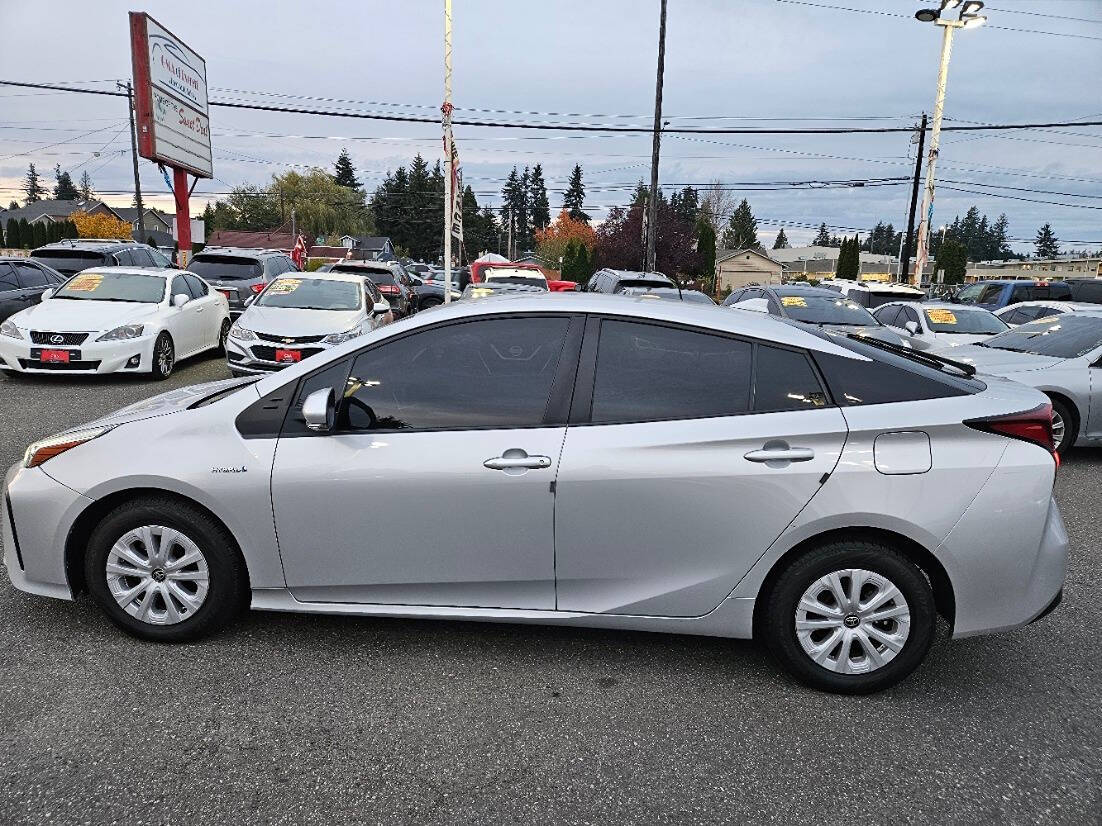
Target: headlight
point(337, 338)
point(38, 452)
point(241, 334)
point(122, 333)
point(8, 328)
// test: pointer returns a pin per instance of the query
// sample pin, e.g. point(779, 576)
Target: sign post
point(449, 181)
point(170, 103)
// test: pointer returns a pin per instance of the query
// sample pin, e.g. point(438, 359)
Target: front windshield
point(979, 294)
point(959, 320)
point(1068, 336)
point(113, 286)
point(311, 294)
point(826, 309)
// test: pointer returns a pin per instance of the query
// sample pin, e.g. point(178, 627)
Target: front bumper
point(37, 513)
point(258, 357)
point(91, 357)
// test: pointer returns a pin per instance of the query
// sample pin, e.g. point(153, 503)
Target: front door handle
point(768, 455)
point(517, 460)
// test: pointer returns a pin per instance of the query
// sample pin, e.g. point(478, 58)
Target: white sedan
point(300, 315)
point(932, 325)
point(1024, 312)
point(116, 319)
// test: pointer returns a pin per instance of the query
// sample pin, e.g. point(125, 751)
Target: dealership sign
point(170, 98)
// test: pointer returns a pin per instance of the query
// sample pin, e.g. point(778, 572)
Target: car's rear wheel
point(1063, 427)
point(850, 617)
point(164, 357)
point(164, 571)
point(223, 334)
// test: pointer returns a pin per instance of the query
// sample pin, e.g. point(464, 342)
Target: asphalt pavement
point(305, 719)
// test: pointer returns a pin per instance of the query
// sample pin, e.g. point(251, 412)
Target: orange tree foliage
point(551, 242)
point(97, 225)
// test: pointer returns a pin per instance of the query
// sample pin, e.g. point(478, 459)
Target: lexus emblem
point(57, 339)
point(288, 341)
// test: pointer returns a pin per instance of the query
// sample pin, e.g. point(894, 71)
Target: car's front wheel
point(163, 570)
point(164, 357)
point(1063, 427)
point(850, 617)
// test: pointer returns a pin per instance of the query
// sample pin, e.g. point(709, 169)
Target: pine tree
point(953, 259)
point(85, 188)
point(39, 237)
point(706, 248)
point(583, 266)
point(32, 185)
point(849, 258)
point(574, 199)
point(538, 206)
point(569, 267)
point(781, 241)
point(1000, 233)
point(26, 234)
point(14, 240)
point(64, 190)
point(742, 229)
point(345, 172)
point(1046, 243)
point(686, 204)
point(522, 233)
point(822, 237)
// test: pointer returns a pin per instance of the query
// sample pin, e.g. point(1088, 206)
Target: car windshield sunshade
point(113, 286)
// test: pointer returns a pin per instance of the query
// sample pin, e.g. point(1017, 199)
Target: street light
point(968, 18)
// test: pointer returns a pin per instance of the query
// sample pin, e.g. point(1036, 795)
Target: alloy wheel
point(157, 575)
point(852, 621)
point(1058, 426)
point(164, 355)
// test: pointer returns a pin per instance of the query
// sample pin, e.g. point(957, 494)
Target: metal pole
point(447, 109)
point(134, 159)
point(927, 215)
point(183, 218)
point(908, 243)
point(652, 212)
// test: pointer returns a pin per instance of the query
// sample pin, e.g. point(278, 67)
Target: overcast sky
point(731, 61)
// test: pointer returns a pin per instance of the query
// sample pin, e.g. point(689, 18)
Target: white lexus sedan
point(298, 316)
point(116, 319)
point(591, 460)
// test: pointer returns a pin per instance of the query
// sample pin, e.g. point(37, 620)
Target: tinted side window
point(646, 373)
point(854, 381)
point(889, 316)
point(272, 268)
point(785, 380)
point(179, 286)
point(1023, 293)
point(7, 278)
point(124, 258)
point(141, 257)
point(1019, 316)
point(198, 288)
point(31, 276)
point(909, 314)
point(489, 373)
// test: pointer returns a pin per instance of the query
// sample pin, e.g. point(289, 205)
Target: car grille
point(290, 339)
point(268, 353)
point(41, 337)
point(35, 364)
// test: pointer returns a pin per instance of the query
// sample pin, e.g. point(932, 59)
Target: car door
point(33, 280)
point(207, 303)
point(13, 297)
point(184, 323)
point(680, 467)
point(435, 486)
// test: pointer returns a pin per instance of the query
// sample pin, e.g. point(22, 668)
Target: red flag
point(298, 254)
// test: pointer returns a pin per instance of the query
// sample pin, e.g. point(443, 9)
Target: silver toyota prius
point(591, 460)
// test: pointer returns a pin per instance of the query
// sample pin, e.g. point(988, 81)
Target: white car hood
point(1000, 362)
point(171, 402)
point(81, 315)
point(956, 339)
point(285, 321)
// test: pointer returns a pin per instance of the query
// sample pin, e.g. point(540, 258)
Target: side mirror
point(49, 293)
point(319, 411)
point(179, 300)
point(912, 327)
point(380, 308)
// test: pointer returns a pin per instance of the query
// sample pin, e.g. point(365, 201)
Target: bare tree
point(718, 203)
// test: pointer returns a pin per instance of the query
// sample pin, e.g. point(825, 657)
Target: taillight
point(389, 289)
point(256, 288)
point(1029, 426)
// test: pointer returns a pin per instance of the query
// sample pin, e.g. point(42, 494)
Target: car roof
point(1076, 306)
point(96, 244)
point(1026, 281)
point(150, 271)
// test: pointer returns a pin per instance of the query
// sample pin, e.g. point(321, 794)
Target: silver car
point(1060, 356)
point(591, 460)
point(935, 325)
point(1014, 315)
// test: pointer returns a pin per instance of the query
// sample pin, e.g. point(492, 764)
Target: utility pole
point(134, 158)
point(509, 245)
point(908, 235)
point(449, 213)
point(968, 18)
point(294, 235)
point(652, 206)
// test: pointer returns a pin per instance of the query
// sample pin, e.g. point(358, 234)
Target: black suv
point(22, 282)
point(614, 281)
point(70, 257)
point(239, 273)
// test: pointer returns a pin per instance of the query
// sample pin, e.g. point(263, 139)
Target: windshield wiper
point(929, 359)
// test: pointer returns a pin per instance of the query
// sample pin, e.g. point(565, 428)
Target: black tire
point(227, 584)
point(162, 368)
point(223, 334)
point(778, 623)
point(1071, 425)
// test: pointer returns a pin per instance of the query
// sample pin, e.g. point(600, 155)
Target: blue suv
point(994, 295)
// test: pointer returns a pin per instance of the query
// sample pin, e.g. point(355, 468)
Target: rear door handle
point(524, 462)
point(784, 454)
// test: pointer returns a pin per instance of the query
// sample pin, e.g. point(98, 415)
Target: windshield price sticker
point(85, 283)
point(941, 316)
point(284, 286)
point(793, 301)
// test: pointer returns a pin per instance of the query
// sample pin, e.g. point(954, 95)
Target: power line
point(1094, 20)
point(1018, 198)
point(578, 127)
